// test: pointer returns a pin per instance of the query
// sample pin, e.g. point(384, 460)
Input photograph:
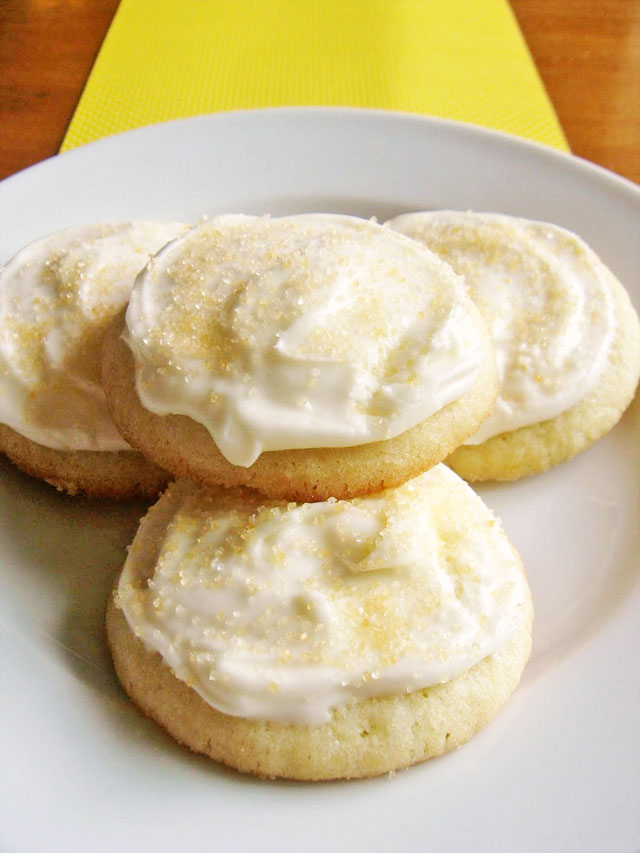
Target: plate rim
point(540, 149)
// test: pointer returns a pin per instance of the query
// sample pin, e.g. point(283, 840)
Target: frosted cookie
point(58, 296)
point(566, 336)
point(305, 356)
point(325, 640)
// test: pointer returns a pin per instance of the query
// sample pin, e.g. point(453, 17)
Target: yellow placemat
point(459, 59)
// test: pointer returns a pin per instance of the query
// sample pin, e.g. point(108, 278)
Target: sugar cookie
point(57, 297)
point(305, 356)
point(567, 339)
point(327, 640)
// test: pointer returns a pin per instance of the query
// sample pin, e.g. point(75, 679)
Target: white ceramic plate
point(558, 769)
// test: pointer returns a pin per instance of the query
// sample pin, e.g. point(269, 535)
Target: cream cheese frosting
point(284, 612)
point(545, 298)
point(305, 331)
point(57, 298)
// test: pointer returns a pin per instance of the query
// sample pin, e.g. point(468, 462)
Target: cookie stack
point(315, 595)
point(304, 601)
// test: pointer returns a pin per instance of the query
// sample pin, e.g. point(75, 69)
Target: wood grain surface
point(587, 53)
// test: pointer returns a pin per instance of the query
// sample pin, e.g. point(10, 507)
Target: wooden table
point(587, 52)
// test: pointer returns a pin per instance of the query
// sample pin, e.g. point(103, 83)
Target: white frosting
point(545, 298)
point(285, 611)
point(57, 298)
point(303, 331)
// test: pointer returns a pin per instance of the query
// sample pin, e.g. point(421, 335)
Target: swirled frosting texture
point(285, 611)
point(57, 298)
point(545, 298)
point(302, 331)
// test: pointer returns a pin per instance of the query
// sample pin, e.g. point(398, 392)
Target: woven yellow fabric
point(459, 59)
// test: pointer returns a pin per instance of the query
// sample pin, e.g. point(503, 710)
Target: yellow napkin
point(459, 59)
